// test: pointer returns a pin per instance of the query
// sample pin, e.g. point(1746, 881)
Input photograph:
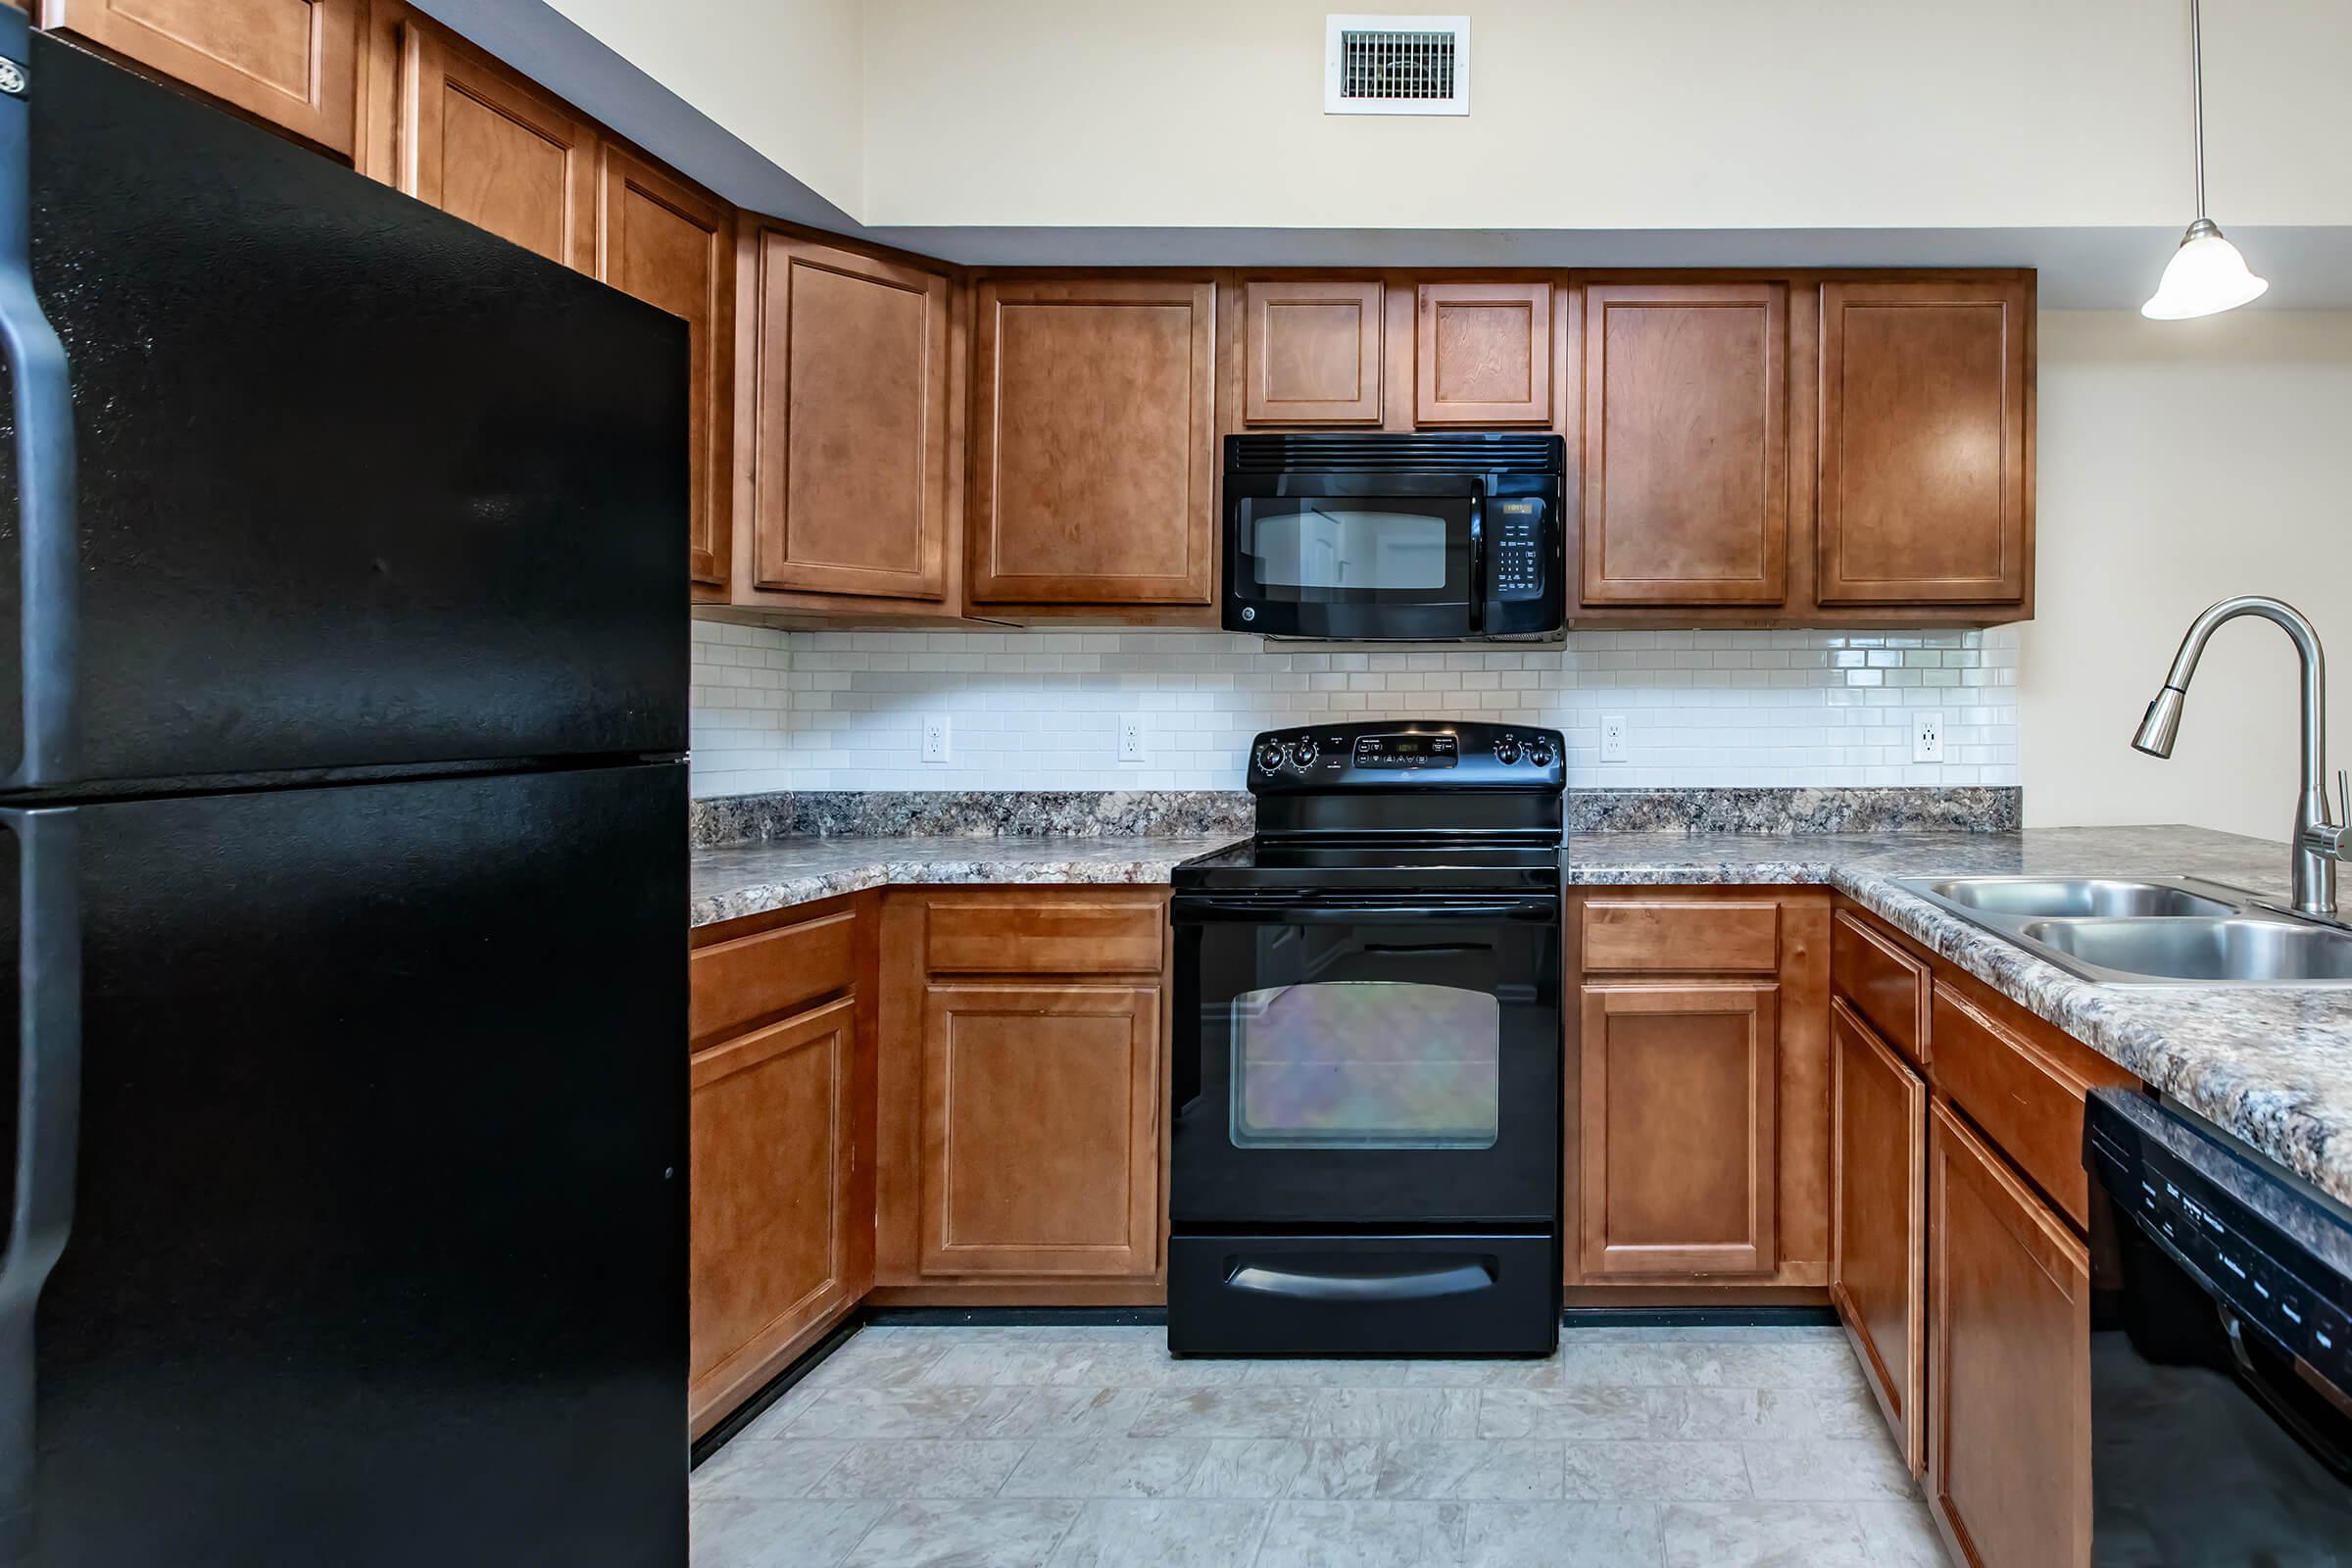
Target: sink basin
point(2240, 949)
point(2149, 930)
point(2072, 898)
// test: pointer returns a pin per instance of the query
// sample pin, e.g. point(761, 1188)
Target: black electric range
point(1366, 1147)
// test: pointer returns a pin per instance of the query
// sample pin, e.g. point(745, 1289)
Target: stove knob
point(1506, 750)
point(1540, 753)
point(1302, 751)
point(1269, 757)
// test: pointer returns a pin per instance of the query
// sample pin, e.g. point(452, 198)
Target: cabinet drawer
point(989, 937)
point(736, 983)
point(2022, 1094)
point(1713, 937)
point(1885, 984)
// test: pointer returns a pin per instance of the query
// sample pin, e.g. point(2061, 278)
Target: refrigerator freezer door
point(360, 485)
point(378, 1248)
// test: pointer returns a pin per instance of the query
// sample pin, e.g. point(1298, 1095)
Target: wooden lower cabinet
point(1680, 1161)
point(1041, 1112)
point(1698, 1088)
point(780, 1178)
point(1878, 1220)
point(1022, 1079)
point(781, 1239)
point(2009, 1377)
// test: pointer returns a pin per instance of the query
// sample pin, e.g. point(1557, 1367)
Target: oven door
point(1352, 1059)
point(1354, 556)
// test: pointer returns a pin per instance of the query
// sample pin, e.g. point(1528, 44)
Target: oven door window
point(1366, 1064)
point(1355, 550)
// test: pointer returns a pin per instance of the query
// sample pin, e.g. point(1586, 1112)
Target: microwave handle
point(1477, 558)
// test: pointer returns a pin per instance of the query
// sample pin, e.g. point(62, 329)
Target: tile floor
point(1092, 1447)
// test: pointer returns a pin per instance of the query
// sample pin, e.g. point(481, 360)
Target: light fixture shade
point(2206, 274)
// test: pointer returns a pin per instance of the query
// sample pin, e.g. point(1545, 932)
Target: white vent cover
point(1397, 65)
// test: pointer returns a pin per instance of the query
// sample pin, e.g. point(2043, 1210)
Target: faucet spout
point(2314, 864)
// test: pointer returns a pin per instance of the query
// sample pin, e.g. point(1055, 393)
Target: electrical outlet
point(936, 738)
point(1926, 737)
point(1131, 738)
point(1612, 737)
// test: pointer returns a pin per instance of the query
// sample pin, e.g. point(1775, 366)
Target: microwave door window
point(1313, 549)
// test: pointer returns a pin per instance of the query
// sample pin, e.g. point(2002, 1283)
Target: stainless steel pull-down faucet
point(2318, 843)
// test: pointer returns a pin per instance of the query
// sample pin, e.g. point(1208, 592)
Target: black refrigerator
point(342, 851)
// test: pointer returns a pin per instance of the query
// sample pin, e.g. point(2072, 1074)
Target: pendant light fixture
point(2206, 274)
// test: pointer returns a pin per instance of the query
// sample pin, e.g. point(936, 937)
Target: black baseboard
point(1696, 1318)
point(774, 1389)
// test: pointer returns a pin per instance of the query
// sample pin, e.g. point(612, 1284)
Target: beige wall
point(2180, 463)
point(787, 77)
point(1606, 114)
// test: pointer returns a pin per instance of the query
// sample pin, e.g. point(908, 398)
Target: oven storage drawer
point(1456, 1293)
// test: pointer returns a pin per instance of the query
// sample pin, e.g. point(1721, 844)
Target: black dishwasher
point(2221, 1352)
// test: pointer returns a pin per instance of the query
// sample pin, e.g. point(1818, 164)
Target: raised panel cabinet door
point(1094, 467)
point(1680, 1170)
point(484, 144)
point(1878, 1220)
point(1685, 443)
point(781, 1229)
point(293, 63)
point(1311, 353)
point(1483, 354)
point(2009, 1373)
point(1925, 443)
point(1040, 1130)
point(672, 245)
point(849, 472)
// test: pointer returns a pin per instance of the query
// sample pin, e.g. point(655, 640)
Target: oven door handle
point(1212, 907)
point(1422, 1283)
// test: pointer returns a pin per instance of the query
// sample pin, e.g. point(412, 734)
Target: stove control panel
point(1407, 755)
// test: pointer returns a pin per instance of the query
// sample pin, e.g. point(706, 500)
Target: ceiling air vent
point(1397, 65)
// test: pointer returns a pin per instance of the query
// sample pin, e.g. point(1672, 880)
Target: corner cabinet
point(781, 1137)
point(1022, 1077)
point(672, 245)
point(1093, 461)
point(1926, 429)
point(847, 363)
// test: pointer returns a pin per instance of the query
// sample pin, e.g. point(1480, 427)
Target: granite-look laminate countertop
point(2271, 1066)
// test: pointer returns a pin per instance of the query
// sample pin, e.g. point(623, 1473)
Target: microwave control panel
point(1515, 546)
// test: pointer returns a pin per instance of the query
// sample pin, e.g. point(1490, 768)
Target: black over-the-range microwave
point(1413, 537)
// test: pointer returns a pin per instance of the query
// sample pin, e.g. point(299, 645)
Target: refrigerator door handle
point(48, 1112)
point(48, 599)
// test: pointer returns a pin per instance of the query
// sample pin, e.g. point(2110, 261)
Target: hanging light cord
point(2196, 83)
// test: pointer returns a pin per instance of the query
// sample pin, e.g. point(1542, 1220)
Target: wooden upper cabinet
point(848, 468)
point(2009, 1377)
point(1094, 467)
point(483, 143)
point(293, 63)
point(672, 245)
point(1040, 1136)
point(1878, 1218)
point(1483, 354)
point(781, 1235)
point(1679, 1158)
point(1685, 443)
point(1925, 487)
point(1311, 353)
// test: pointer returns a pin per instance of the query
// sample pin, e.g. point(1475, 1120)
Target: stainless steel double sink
point(2153, 930)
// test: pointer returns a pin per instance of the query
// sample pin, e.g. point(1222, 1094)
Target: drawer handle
point(1408, 1284)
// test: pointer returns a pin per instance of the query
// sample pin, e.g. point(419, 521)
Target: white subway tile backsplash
point(774, 711)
